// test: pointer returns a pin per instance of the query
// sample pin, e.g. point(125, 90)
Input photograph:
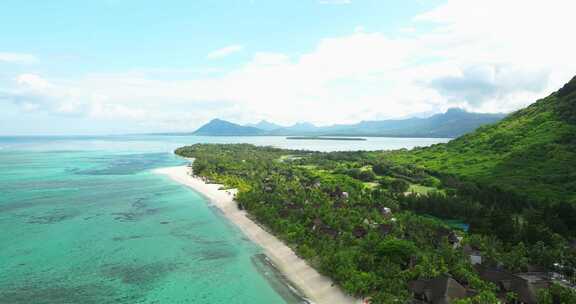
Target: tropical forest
point(489, 217)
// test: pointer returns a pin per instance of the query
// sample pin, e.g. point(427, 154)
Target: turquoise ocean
point(84, 220)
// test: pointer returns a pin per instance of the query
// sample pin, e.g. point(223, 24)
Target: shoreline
point(317, 288)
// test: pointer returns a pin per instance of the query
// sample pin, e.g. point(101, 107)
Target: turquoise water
point(84, 220)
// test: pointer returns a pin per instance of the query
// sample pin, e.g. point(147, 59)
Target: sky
point(139, 66)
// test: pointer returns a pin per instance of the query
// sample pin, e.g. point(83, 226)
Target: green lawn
point(414, 188)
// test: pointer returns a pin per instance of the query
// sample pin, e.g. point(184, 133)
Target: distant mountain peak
point(220, 127)
point(265, 125)
point(455, 111)
point(303, 124)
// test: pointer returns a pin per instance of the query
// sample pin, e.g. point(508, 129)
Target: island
point(324, 138)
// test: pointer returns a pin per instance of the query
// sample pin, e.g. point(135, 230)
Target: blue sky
point(116, 66)
point(108, 36)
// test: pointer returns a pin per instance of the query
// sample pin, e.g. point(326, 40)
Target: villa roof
point(318, 225)
point(508, 282)
point(440, 290)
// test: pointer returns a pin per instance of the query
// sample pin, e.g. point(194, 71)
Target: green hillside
point(532, 152)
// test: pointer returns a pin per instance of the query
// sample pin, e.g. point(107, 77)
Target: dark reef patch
point(139, 203)
point(187, 232)
point(50, 293)
point(20, 205)
point(138, 211)
point(87, 218)
point(126, 164)
point(196, 238)
point(127, 238)
point(222, 253)
point(51, 217)
point(281, 284)
point(140, 274)
point(132, 216)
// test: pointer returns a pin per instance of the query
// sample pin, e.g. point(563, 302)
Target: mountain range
point(265, 125)
point(453, 123)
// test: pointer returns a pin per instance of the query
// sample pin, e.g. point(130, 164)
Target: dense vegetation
point(374, 221)
point(331, 208)
point(531, 153)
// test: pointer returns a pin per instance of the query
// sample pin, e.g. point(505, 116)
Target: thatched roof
point(508, 282)
point(440, 290)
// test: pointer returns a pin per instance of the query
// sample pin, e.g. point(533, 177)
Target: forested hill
point(532, 152)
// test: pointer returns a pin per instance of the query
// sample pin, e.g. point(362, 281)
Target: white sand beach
point(316, 287)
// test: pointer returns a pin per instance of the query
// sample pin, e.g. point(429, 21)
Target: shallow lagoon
point(84, 220)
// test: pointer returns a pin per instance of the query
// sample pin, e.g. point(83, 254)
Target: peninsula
point(443, 222)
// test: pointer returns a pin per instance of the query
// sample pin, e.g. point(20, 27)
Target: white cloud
point(34, 93)
point(225, 51)
point(270, 59)
point(477, 84)
point(17, 58)
point(519, 49)
point(340, 78)
point(32, 81)
point(483, 55)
